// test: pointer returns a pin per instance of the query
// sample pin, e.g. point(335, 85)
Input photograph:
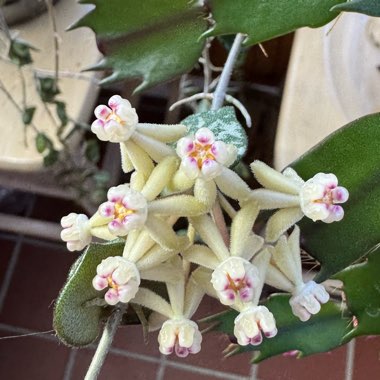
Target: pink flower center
point(236, 285)
point(111, 283)
point(331, 196)
point(112, 116)
point(122, 212)
point(202, 153)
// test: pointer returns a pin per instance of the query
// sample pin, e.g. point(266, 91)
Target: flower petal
point(99, 282)
point(111, 297)
point(107, 209)
point(204, 136)
point(224, 153)
point(185, 145)
point(102, 112)
point(210, 169)
point(189, 166)
point(115, 100)
point(340, 194)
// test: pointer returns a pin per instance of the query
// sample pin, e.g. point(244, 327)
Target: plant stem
point(14, 102)
point(105, 343)
point(221, 89)
point(220, 222)
point(50, 8)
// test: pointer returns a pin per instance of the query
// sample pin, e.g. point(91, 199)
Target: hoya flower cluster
point(178, 175)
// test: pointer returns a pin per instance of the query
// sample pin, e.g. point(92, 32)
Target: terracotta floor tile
point(211, 356)
point(213, 344)
point(130, 338)
point(367, 358)
point(327, 366)
point(31, 358)
point(174, 374)
point(115, 367)
point(36, 282)
point(208, 307)
point(6, 249)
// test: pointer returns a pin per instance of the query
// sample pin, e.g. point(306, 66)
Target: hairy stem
point(221, 89)
point(105, 343)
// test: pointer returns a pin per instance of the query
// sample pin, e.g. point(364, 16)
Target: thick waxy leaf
point(224, 124)
point(156, 40)
point(321, 333)
point(75, 323)
point(352, 154)
point(362, 289)
point(263, 20)
point(368, 7)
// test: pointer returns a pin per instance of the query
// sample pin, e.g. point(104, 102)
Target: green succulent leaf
point(352, 154)
point(362, 289)
point(321, 333)
point(75, 323)
point(224, 124)
point(19, 52)
point(27, 115)
point(47, 88)
point(155, 40)
point(42, 142)
point(61, 113)
point(263, 20)
point(368, 7)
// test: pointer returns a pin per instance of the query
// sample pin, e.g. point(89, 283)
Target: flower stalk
point(105, 343)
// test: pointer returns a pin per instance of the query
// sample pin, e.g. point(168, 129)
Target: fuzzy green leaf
point(224, 124)
point(156, 40)
point(76, 324)
point(263, 20)
point(321, 333)
point(362, 289)
point(352, 154)
point(368, 7)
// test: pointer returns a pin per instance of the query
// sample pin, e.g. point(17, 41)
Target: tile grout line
point(67, 374)
point(254, 372)
point(205, 371)
point(350, 360)
point(132, 355)
point(34, 241)
point(10, 271)
point(161, 368)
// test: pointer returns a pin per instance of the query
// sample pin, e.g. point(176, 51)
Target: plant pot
point(17, 11)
